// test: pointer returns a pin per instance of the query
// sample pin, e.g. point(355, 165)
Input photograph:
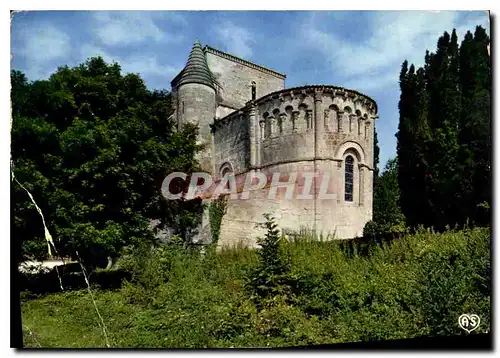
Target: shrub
point(216, 210)
point(270, 282)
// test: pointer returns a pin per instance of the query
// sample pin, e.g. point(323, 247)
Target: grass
point(417, 286)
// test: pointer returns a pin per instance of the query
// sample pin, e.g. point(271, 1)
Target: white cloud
point(368, 83)
point(88, 50)
point(147, 66)
point(127, 27)
point(395, 36)
point(238, 40)
point(40, 46)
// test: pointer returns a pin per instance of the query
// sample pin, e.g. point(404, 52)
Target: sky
point(360, 50)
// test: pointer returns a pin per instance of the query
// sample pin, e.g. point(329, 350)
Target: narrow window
point(226, 171)
point(349, 168)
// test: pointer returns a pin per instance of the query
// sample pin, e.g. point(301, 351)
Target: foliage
point(270, 281)
point(388, 220)
point(444, 136)
point(417, 286)
point(93, 147)
point(376, 160)
point(216, 211)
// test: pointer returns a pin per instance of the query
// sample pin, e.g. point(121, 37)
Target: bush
point(270, 282)
point(216, 210)
point(304, 292)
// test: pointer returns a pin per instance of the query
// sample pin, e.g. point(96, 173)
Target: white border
point(184, 5)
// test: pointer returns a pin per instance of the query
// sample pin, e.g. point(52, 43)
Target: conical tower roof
point(196, 69)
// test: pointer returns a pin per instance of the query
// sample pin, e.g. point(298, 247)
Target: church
point(249, 122)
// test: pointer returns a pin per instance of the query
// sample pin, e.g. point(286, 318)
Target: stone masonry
point(319, 129)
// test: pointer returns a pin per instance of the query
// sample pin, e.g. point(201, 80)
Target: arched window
point(349, 171)
point(225, 171)
point(226, 168)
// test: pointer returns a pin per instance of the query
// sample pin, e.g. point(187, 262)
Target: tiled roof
point(196, 69)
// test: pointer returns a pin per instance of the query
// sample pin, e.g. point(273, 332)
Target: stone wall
point(304, 130)
point(236, 75)
point(232, 143)
point(196, 104)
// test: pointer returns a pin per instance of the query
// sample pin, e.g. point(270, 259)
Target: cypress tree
point(475, 124)
point(409, 147)
point(376, 160)
point(444, 135)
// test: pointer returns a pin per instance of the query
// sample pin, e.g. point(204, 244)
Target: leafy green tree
point(387, 216)
point(93, 146)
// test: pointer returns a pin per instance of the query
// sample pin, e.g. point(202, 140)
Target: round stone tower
point(194, 97)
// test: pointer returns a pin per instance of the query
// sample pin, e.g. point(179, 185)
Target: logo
point(287, 186)
point(469, 322)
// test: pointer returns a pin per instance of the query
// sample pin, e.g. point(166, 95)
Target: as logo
point(469, 322)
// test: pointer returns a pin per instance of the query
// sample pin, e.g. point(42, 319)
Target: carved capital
point(262, 123)
point(318, 94)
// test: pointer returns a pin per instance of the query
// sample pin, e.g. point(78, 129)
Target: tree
point(93, 146)
point(444, 134)
point(443, 115)
point(413, 138)
point(475, 123)
point(272, 277)
point(387, 216)
point(376, 160)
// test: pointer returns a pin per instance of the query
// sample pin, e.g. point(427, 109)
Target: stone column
point(309, 119)
point(295, 117)
point(254, 134)
point(340, 119)
point(361, 184)
point(262, 128)
point(272, 126)
point(318, 111)
point(327, 119)
point(262, 124)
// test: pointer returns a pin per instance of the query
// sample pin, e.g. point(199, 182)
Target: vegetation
point(416, 286)
point(444, 137)
point(93, 146)
point(216, 211)
point(388, 220)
